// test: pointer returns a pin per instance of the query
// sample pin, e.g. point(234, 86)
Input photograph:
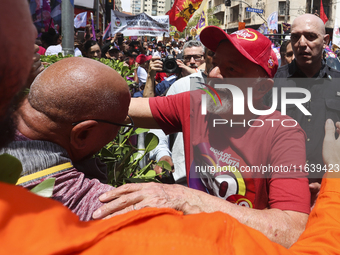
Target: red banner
point(322, 13)
point(181, 12)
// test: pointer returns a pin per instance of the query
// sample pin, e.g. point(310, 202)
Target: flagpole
point(311, 7)
point(286, 11)
point(67, 22)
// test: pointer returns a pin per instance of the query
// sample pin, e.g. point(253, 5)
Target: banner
point(139, 25)
point(272, 22)
point(107, 32)
point(93, 30)
point(56, 11)
point(172, 30)
point(41, 14)
point(263, 29)
point(286, 27)
point(241, 25)
point(203, 21)
point(322, 13)
point(181, 12)
point(336, 34)
point(80, 20)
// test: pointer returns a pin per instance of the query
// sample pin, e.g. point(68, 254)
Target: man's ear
point(262, 87)
point(82, 133)
point(325, 40)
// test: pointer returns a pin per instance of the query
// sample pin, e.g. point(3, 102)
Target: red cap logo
point(245, 34)
point(270, 62)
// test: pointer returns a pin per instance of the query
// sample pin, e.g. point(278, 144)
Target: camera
point(170, 65)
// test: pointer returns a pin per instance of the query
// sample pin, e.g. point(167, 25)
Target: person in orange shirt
point(30, 224)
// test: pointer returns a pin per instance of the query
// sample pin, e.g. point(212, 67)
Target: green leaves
point(45, 188)
point(53, 58)
point(151, 141)
point(10, 169)
point(165, 165)
point(123, 159)
point(117, 65)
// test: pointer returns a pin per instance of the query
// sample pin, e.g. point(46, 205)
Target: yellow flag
point(203, 21)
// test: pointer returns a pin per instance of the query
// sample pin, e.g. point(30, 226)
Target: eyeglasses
point(127, 128)
point(187, 58)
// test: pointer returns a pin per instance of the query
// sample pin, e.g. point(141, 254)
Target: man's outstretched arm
point(140, 112)
point(283, 227)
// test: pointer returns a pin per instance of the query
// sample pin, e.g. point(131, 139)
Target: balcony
point(218, 2)
point(219, 8)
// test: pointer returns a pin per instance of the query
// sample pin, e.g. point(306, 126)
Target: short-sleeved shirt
point(239, 147)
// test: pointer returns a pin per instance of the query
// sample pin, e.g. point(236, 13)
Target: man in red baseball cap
point(224, 151)
point(143, 66)
point(251, 44)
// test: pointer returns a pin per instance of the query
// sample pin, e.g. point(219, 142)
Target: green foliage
point(45, 188)
point(117, 65)
point(50, 59)
point(123, 159)
point(10, 169)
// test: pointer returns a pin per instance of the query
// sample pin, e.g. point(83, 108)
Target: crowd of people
point(77, 105)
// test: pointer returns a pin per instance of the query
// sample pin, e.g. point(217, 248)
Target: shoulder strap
point(44, 172)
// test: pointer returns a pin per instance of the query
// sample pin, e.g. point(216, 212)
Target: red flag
point(322, 13)
point(181, 12)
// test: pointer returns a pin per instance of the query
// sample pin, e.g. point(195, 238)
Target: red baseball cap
point(249, 42)
point(141, 59)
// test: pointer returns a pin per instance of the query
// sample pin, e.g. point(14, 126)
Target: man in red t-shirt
point(232, 152)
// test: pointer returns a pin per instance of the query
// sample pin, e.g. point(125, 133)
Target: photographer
point(116, 41)
point(193, 57)
point(137, 46)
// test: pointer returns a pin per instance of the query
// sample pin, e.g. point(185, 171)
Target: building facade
point(118, 5)
point(230, 16)
point(151, 7)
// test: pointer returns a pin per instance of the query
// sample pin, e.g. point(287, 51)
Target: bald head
point(310, 20)
point(76, 89)
point(309, 38)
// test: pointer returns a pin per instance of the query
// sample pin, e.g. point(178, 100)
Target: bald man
point(67, 118)
point(308, 39)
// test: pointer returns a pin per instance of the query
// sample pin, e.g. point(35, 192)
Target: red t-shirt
point(241, 148)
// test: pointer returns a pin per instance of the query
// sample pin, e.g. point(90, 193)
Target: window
point(234, 12)
point(282, 8)
point(247, 15)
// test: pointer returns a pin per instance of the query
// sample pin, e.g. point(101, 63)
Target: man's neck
point(310, 70)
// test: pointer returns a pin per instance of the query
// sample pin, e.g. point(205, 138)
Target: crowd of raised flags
point(47, 14)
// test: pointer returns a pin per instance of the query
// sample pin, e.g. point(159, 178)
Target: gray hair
point(193, 43)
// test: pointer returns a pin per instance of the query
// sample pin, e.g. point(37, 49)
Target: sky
point(126, 5)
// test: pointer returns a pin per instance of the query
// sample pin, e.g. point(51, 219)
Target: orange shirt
point(36, 225)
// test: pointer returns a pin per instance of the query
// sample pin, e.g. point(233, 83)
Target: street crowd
point(77, 105)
